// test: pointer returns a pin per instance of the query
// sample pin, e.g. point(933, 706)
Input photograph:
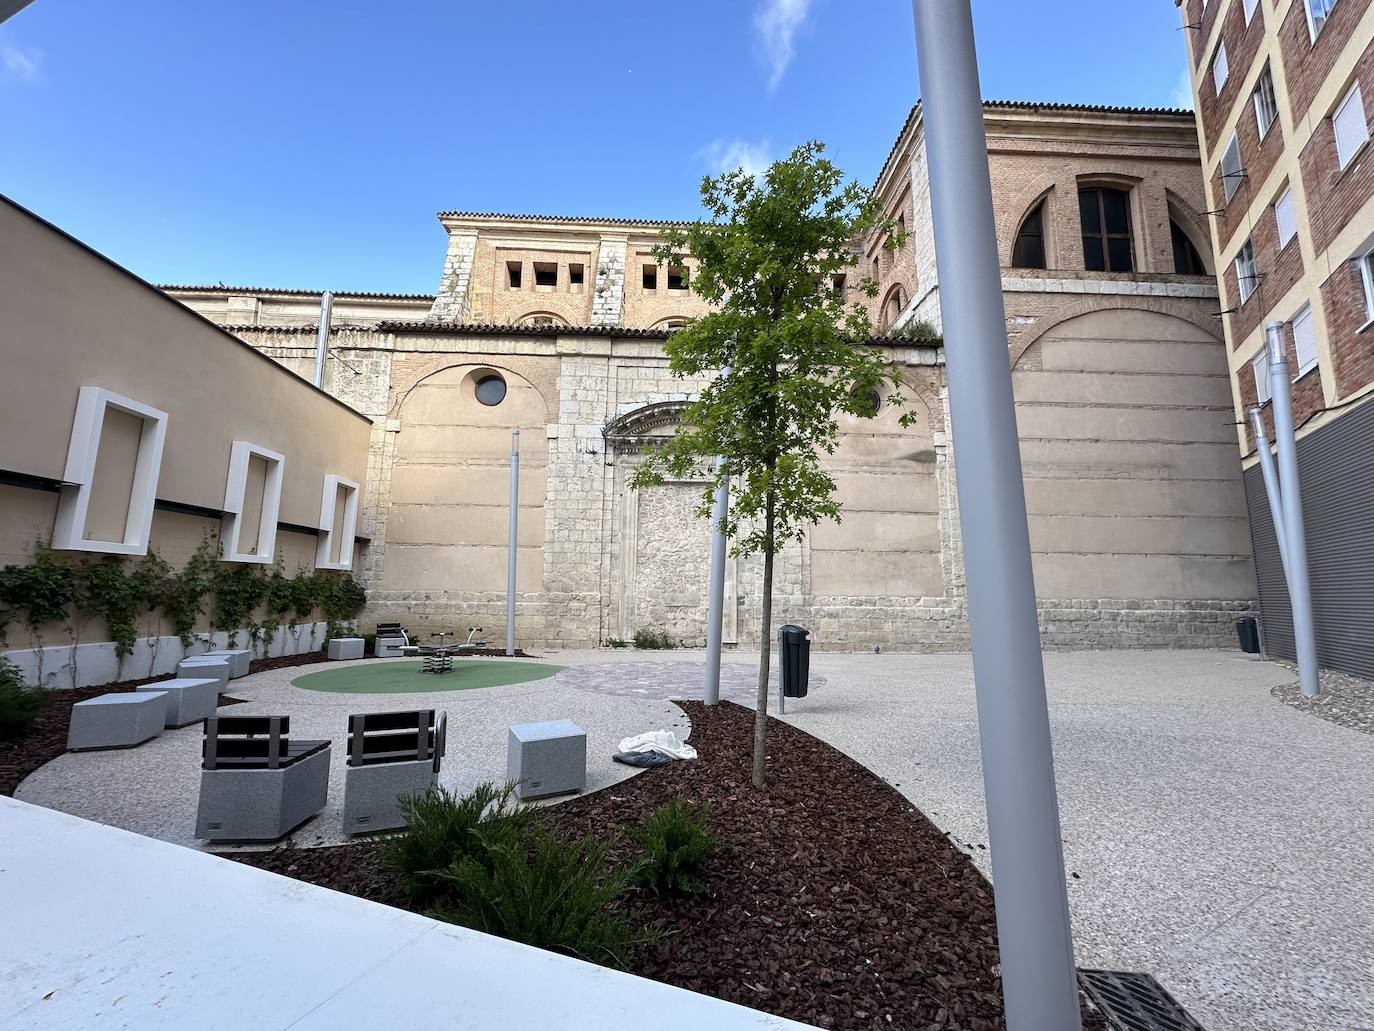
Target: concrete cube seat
point(548, 758)
point(390, 754)
point(345, 648)
point(189, 700)
point(239, 658)
point(256, 784)
point(206, 667)
point(119, 720)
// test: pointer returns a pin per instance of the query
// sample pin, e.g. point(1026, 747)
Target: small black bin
point(795, 645)
point(1247, 632)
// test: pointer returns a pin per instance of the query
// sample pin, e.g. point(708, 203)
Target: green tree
point(765, 259)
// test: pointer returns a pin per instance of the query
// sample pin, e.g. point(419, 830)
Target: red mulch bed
point(834, 901)
point(46, 737)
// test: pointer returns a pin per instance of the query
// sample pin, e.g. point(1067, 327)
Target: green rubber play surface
point(405, 676)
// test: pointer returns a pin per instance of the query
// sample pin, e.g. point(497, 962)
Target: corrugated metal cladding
point(1336, 466)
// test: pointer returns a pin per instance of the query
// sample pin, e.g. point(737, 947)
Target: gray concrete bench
point(117, 720)
point(256, 784)
point(345, 648)
point(205, 667)
point(390, 754)
point(547, 758)
point(239, 658)
point(188, 700)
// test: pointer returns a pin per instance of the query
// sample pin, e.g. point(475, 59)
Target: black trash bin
point(1247, 631)
point(795, 645)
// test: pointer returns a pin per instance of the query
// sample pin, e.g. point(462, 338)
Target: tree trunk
point(765, 648)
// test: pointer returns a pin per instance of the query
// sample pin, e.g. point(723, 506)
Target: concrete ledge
point(117, 935)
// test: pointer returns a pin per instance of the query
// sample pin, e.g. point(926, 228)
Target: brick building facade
point(555, 325)
point(1285, 95)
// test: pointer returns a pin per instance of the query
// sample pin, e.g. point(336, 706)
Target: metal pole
point(715, 602)
point(512, 546)
point(1039, 984)
point(1270, 476)
point(322, 337)
point(1299, 587)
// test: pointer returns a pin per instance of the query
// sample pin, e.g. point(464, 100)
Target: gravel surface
point(834, 901)
point(46, 737)
point(1344, 699)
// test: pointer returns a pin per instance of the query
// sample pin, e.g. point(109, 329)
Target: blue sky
point(309, 145)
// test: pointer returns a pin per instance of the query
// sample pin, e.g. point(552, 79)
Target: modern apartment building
point(1283, 91)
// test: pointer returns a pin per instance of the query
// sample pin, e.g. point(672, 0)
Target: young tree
point(766, 259)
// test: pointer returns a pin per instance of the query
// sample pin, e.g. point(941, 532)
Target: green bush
point(653, 639)
point(442, 829)
point(675, 842)
point(543, 892)
point(616, 642)
point(18, 704)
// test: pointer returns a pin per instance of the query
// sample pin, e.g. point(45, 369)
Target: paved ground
point(1221, 840)
point(153, 789)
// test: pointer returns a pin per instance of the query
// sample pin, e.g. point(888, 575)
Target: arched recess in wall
point(1184, 221)
point(446, 521)
point(541, 318)
point(1132, 487)
point(1033, 245)
point(894, 302)
point(671, 322)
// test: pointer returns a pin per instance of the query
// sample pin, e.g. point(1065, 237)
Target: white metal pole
point(322, 337)
point(1299, 587)
point(1270, 476)
point(513, 546)
point(715, 602)
point(1039, 984)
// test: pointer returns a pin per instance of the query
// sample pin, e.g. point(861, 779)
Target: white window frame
point(1246, 283)
point(1259, 368)
point(1316, 21)
point(1258, 96)
point(1354, 96)
point(1366, 263)
point(1221, 68)
point(83, 452)
point(325, 543)
point(1248, 9)
point(231, 528)
point(1231, 183)
point(1286, 196)
point(1304, 366)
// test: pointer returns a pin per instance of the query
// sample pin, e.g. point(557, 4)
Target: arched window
point(1106, 218)
point(1029, 249)
point(1187, 261)
point(892, 307)
point(541, 318)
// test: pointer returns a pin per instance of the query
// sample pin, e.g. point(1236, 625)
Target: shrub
point(543, 892)
point(617, 642)
point(442, 829)
point(653, 639)
point(676, 842)
point(18, 704)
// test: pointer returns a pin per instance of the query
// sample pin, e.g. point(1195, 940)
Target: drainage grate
point(1135, 1002)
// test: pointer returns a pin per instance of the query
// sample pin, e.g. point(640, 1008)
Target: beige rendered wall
point(1132, 487)
point(73, 319)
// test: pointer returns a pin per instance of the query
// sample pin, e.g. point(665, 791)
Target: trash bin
point(1247, 631)
point(795, 645)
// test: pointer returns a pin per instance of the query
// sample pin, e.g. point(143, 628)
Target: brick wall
point(1352, 351)
point(1306, 393)
point(1257, 157)
point(1334, 194)
point(1306, 64)
point(1242, 43)
point(1204, 16)
point(1278, 271)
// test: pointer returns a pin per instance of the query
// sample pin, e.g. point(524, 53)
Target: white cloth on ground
point(664, 741)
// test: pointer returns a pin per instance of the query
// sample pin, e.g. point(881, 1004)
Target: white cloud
point(728, 155)
point(1183, 91)
point(23, 64)
point(776, 23)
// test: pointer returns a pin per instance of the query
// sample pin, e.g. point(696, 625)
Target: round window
point(491, 389)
